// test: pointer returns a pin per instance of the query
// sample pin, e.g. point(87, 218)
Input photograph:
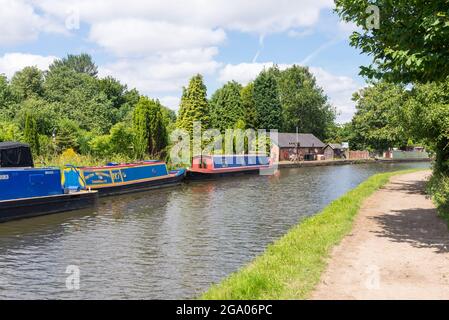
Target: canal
point(166, 244)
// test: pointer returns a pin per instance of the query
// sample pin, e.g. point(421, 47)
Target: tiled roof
point(335, 146)
point(289, 140)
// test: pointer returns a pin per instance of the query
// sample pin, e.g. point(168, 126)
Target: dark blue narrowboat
point(114, 178)
point(216, 166)
point(26, 191)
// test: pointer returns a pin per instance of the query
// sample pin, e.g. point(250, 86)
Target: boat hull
point(165, 182)
point(39, 206)
point(211, 175)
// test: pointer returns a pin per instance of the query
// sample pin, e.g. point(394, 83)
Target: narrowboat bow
point(114, 178)
point(26, 191)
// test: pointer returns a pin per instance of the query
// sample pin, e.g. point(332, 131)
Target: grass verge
point(291, 267)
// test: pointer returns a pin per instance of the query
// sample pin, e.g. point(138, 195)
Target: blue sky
point(156, 46)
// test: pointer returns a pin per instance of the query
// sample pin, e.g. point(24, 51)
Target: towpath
point(398, 248)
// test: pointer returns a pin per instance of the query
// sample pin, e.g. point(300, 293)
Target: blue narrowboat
point(216, 166)
point(26, 191)
point(114, 178)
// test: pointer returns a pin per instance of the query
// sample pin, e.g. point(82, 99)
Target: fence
point(355, 155)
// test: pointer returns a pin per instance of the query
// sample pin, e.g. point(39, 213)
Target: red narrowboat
point(216, 166)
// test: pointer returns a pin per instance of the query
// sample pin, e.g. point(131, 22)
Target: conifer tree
point(194, 105)
point(226, 106)
point(30, 133)
point(248, 105)
point(149, 127)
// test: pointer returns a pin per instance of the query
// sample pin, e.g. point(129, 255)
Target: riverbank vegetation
point(291, 267)
point(69, 107)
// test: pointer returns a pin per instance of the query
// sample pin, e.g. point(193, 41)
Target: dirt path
point(398, 249)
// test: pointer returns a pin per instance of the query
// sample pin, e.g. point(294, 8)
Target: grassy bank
point(291, 267)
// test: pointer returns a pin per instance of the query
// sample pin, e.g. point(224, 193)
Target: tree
point(28, 83)
point(80, 99)
point(249, 105)
point(226, 106)
point(125, 111)
point(268, 105)
point(410, 43)
point(114, 91)
point(45, 114)
point(149, 128)
point(410, 46)
point(339, 133)
point(304, 104)
point(81, 63)
point(169, 117)
point(10, 131)
point(67, 135)
point(377, 122)
point(5, 92)
point(118, 142)
point(194, 105)
point(426, 118)
point(121, 139)
point(30, 133)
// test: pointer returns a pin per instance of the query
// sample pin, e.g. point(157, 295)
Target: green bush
point(46, 145)
point(9, 131)
point(438, 187)
point(100, 146)
point(121, 139)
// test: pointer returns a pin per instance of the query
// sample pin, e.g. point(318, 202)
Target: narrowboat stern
point(114, 179)
point(26, 191)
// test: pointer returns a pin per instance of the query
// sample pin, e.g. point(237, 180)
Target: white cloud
point(143, 37)
point(338, 88)
point(347, 28)
point(20, 23)
point(243, 72)
point(10, 63)
point(160, 44)
point(246, 72)
point(171, 102)
point(155, 75)
point(263, 16)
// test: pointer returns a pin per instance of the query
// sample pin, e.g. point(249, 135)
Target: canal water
point(165, 244)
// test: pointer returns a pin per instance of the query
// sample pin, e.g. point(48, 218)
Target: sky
point(156, 46)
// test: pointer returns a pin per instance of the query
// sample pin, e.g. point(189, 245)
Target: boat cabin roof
point(15, 155)
point(123, 165)
point(12, 145)
point(230, 155)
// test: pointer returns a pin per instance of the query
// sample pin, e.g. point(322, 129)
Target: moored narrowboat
point(26, 191)
point(114, 178)
point(216, 166)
